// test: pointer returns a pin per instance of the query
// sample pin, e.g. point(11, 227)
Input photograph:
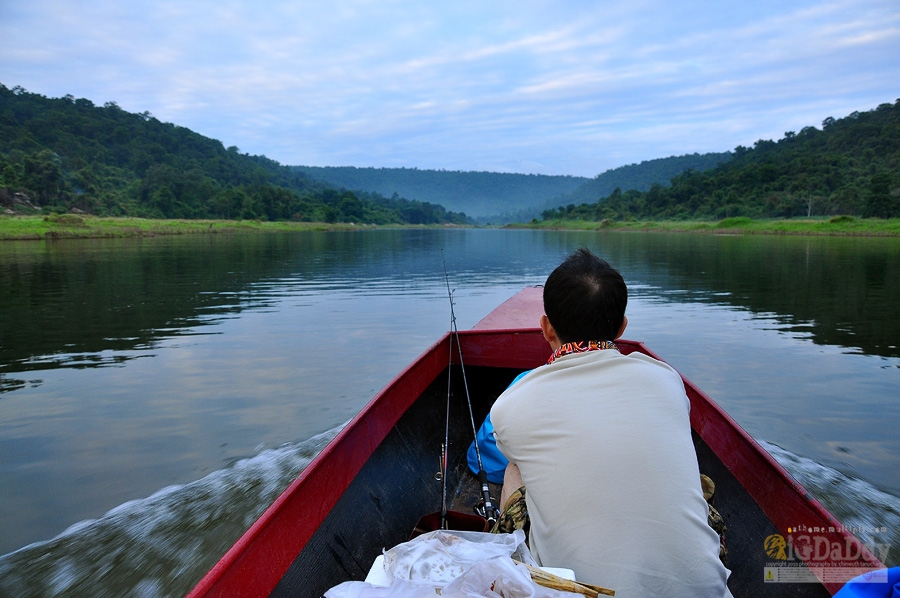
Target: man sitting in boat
point(602, 444)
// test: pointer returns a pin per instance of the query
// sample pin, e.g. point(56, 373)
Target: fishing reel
point(486, 507)
point(481, 511)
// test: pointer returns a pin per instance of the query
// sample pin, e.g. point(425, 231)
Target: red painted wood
point(522, 310)
point(523, 349)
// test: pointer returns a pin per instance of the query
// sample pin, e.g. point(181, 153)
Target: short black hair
point(585, 299)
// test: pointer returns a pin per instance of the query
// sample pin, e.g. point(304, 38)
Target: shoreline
point(71, 226)
point(838, 226)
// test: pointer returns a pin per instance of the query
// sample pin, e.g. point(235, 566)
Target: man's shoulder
point(643, 357)
point(520, 386)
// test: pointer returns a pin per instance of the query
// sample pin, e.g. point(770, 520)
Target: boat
point(368, 488)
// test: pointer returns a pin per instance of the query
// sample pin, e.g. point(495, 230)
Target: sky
point(561, 88)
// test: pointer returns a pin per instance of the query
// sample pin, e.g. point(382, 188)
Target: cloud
point(576, 88)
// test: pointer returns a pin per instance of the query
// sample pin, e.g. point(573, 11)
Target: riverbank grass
point(836, 225)
point(72, 226)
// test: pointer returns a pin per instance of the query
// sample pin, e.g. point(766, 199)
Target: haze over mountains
point(508, 197)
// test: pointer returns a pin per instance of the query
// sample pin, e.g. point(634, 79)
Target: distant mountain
point(478, 194)
point(640, 177)
point(506, 197)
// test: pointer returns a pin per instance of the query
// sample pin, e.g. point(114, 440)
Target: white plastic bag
point(398, 589)
point(441, 556)
point(498, 577)
point(453, 564)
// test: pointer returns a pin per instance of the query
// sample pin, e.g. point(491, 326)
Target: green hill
point(641, 177)
point(851, 166)
point(504, 197)
point(478, 194)
point(68, 154)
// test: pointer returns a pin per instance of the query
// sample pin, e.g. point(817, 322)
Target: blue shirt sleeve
point(491, 458)
point(886, 585)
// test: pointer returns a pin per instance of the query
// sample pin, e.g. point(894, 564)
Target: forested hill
point(68, 154)
point(479, 194)
point(641, 177)
point(501, 197)
point(851, 166)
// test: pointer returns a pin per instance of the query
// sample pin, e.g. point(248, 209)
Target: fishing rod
point(446, 442)
point(490, 512)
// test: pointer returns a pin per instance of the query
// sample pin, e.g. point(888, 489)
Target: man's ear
point(549, 333)
point(622, 329)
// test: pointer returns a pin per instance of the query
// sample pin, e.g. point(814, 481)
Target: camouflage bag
point(514, 515)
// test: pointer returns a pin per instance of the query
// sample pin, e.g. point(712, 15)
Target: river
point(157, 394)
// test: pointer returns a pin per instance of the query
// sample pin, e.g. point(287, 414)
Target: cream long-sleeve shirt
point(603, 443)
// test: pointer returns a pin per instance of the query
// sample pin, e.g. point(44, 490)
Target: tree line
point(851, 166)
point(60, 154)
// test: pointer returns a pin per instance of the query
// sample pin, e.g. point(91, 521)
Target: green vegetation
point(59, 155)
point(836, 225)
point(851, 166)
point(641, 177)
point(72, 226)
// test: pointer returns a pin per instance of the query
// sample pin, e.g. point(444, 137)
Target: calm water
point(157, 394)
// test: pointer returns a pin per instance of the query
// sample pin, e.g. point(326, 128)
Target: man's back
point(604, 447)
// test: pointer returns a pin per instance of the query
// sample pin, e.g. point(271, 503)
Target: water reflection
point(94, 303)
point(834, 291)
point(66, 303)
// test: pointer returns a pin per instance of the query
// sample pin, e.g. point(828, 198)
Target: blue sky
point(559, 87)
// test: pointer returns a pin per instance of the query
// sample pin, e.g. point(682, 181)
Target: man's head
point(585, 299)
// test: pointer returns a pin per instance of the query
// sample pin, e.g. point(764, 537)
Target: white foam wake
point(871, 514)
point(161, 545)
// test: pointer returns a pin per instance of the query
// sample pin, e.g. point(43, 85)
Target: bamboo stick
point(555, 582)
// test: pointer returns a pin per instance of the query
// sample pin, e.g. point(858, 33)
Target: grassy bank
point(70, 226)
point(838, 226)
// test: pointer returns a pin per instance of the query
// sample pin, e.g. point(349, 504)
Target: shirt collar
point(581, 347)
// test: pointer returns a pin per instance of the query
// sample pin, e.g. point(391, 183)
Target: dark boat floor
point(380, 508)
point(468, 493)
